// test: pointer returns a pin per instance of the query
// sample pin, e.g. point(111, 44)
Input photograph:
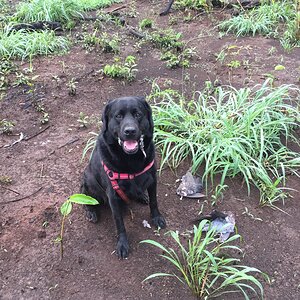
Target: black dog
point(122, 165)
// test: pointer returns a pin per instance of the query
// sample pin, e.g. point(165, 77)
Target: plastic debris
point(222, 222)
point(146, 224)
point(190, 187)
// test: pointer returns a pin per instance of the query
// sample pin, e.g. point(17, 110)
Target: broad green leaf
point(66, 208)
point(279, 68)
point(83, 199)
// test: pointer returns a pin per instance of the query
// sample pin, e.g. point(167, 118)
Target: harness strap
point(114, 176)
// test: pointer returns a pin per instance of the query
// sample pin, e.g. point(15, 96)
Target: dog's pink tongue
point(130, 145)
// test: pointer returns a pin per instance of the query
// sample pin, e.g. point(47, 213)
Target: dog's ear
point(105, 119)
point(105, 116)
point(149, 112)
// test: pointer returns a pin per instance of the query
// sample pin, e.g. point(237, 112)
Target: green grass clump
point(64, 11)
point(232, 132)
point(22, 44)
point(204, 267)
point(266, 20)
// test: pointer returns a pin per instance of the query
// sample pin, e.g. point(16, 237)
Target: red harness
point(114, 176)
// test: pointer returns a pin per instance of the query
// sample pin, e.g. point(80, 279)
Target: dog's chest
point(135, 188)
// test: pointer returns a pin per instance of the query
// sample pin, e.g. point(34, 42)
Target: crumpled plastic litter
point(222, 222)
point(190, 187)
point(146, 224)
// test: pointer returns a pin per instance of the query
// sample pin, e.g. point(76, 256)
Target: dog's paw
point(122, 247)
point(91, 216)
point(159, 221)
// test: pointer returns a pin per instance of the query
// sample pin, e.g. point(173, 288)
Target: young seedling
point(6, 126)
point(66, 209)
point(83, 120)
point(72, 86)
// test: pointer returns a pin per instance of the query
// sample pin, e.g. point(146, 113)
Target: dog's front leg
point(157, 218)
point(122, 244)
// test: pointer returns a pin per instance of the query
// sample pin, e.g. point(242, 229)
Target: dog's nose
point(130, 131)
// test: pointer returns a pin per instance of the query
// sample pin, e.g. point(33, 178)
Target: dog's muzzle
point(132, 146)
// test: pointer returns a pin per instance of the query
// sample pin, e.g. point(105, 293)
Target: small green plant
point(83, 120)
point(6, 68)
point(219, 189)
point(145, 23)
point(44, 119)
point(66, 209)
point(204, 266)
point(193, 4)
point(167, 39)
point(24, 79)
point(232, 132)
point(108, 43)
point(126, 70)
point(176, 59)
point(234, 64)
point(6, 126)
point(72, 86)
point(90, 145)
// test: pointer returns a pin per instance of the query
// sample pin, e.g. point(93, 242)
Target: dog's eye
point(137, 115)
point(119, 116)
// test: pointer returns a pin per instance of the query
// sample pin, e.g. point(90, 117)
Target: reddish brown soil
point(30, 266)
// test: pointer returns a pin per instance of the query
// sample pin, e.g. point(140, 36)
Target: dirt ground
point(46, 166)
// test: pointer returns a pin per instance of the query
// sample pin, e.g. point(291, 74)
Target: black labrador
point(122, 165)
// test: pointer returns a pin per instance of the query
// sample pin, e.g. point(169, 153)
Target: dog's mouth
point(132, 146)
point(129, 146)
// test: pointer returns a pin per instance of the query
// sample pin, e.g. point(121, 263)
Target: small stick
point(69, 142)
point(135, 32)
point(116, 9)
point(22, 198)
point(36, 134)
point(6, 188)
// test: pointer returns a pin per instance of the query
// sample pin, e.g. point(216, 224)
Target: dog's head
point(128, 122)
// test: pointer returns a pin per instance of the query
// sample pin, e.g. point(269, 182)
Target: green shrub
point(204, 266)
point(232, 132)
